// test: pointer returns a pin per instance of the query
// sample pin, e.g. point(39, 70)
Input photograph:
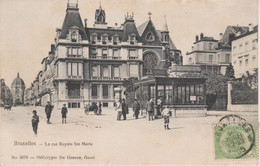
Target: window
point(115, 39)
point(168, 94)
point(253, 44)
point(115, 53)
point(211, 46)
point(132, 39)
point(93, 51)
point(105, 72)
point(240, 47)
point(240, 63)
point(134, 70)
point(73, 90)
point(74, 51)
point(94, 91)
point(218, 57)
point(210, 58)
point(149, 36)
point(104, 52)
point(227, 58)
point(93, 39)
point(188, 94)
point(73, 36)
point(94, 71)
point(75, 69)
point(105, 91)
point(132, 53)
point(116, 72)
point(246, 62)
point(246, 46)
point(104, 39)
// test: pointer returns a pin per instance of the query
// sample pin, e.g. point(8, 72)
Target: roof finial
point(100, 5)
point(165, 25)
point(149, 14)
point(18, 74)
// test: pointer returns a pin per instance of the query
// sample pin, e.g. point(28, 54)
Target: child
point(64, 112)
point(35, 121)
point(166, 115)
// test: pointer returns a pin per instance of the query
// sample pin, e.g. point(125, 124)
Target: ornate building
point(86, 63)
point(17, 89)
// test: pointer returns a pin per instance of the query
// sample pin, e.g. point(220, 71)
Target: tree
point(230, 73)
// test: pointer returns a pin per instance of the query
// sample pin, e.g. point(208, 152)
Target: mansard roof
point(72, 19)
point(128, 29)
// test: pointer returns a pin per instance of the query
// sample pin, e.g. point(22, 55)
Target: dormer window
point(132, 39)
point(149, 36)
point(93, 39)
point(104, 39)
point(73, 36)
point(115, 39)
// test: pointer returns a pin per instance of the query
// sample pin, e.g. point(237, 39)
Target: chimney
point(85, 20)
point(197, 38)
point(52, 48)
point(251, 27)
point(220, 36)
point(116, 25)
point(201, 36)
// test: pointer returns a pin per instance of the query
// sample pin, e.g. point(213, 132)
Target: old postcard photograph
point(129, 82)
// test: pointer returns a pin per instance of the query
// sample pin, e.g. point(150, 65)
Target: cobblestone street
point(132, 141)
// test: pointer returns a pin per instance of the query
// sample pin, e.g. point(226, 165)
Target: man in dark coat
point(64, 112)
point(136, 109)
point(124, 108)
point(48, 110)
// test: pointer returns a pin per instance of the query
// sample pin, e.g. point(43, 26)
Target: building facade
point(87, 63)
point(245, 52)
point(5, 94)
point(207, 53)
point(17, 89)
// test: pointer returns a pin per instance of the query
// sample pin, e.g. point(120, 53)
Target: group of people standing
point(48, 111)
point(122, 109)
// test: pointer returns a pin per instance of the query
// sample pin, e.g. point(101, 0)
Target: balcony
point(74, 97)
point(105, 78)
point(133, 57)
point(75, 77)
point(105, 57)
point(74, 55)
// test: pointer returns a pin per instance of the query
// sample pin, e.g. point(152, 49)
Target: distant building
point(17, 89)
point(211, 54)
point(204, 54)
point(86, 63)
point(245, 52)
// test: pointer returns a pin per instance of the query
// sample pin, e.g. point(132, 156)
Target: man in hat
point(48, 110)
point(64, 112)
point(136, 109)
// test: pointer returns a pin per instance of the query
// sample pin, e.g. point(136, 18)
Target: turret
point(165, 32)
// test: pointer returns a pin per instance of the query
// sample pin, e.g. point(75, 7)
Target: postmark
point(234, 138)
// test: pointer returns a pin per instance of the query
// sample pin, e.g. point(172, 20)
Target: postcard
point(126, 82)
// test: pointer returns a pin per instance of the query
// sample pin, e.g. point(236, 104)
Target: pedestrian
point(64, 112)
point(150, 109)
point(136, 109)
point(159, 108)
point(119, 109)
point(48, 110)
point(166, 113)
point(124, 109)
point(35, 121)
point(99, 108)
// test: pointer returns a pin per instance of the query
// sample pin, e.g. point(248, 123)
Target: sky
point(28, 27)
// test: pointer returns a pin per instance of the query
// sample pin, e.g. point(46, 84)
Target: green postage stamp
point(235, 138)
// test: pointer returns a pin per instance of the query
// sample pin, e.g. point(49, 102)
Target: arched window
point(73, 36)
point(150, 60)
point(149, 36)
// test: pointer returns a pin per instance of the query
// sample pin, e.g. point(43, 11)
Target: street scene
point(141, 140)
point(87, 83)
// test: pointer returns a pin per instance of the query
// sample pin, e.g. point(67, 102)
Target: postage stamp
point(234, 138)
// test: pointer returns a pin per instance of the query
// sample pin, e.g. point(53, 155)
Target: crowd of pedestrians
point(120, 106)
